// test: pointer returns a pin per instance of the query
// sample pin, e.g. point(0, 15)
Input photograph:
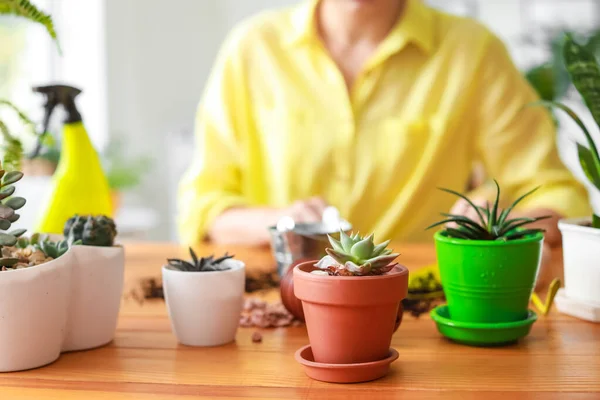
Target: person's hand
point(306, 211)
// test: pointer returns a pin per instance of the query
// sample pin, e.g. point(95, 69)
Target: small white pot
point(34, 306)
point(97, 287)
point(205, 307)
point(581, 252)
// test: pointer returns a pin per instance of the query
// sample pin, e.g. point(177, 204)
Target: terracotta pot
point(350, 319)
point(288, 298)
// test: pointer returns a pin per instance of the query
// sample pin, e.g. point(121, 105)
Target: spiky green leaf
point(462, 196)
point(346, 242)
point(381, 248)
point(338, 256)
point(335, 243)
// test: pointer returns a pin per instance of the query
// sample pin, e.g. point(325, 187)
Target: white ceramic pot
point(34, 306)
point(581, 249)
point(97, 287)
point(205, 307)
point(71, 303)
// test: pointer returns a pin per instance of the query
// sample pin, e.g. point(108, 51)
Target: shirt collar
point(415, 26)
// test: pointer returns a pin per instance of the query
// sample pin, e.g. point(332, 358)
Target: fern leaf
point(25, 9)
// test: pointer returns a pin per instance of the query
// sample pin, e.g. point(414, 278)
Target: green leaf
point(458, 234)
point(6, 191)
point(494, 214)
point(346, 241)
point(18, 232)
point(364, 248)
point(335, 243)
point(4, 224)
point(586, 159)
point(464, 220)
point(513, 205)
point(7, 239)
point(462, 196)
point(14, 218)
point(25, 9)
point(585, 74)
point(8, 262)
point(381, 248)
point(12, 177)
point(22, 243)
point(519, 222)
point(339, 256)
point(595, 221)
point(15, 203)
point(520, 234)
point(577, 120)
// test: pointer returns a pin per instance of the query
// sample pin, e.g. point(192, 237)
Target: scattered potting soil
point(419, 307)
point(261, 314)
point(256, 337)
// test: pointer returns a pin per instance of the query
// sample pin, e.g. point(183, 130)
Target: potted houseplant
point(581, 236)
point(34, 290)
point(351, 300)
point(204, 298)
point(97, 281)
point(488, 268)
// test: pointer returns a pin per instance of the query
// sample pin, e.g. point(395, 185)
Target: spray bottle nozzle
point(55, 95)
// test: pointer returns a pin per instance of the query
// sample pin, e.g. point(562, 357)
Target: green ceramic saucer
point(481, 334)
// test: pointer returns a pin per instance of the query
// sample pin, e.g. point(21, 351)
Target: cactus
point(90, 230)
point(204, 264)
point(356, 255)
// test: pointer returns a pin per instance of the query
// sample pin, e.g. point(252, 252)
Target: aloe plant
point(584, 71)
point(492, 223)
point(202, 264)
point(26, 9)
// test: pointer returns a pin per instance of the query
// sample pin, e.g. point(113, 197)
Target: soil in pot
point(350, 319)
point(488, 281)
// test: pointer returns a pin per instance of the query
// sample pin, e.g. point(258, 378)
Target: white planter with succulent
point(581, 236)
point(204, 298)
point(53, 297)
point(97, 282)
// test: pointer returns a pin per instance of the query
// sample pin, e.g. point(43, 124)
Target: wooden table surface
point(559, 360)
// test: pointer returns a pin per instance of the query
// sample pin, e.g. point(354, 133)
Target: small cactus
point(90, 230)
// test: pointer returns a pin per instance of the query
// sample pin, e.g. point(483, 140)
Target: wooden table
point(559, 360)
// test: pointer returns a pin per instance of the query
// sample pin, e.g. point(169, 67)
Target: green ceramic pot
point(488, 281)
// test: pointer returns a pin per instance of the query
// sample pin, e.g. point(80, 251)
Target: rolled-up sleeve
point(517, 145)
point(213, 182)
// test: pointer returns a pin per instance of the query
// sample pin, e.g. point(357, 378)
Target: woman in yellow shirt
point(368, 106)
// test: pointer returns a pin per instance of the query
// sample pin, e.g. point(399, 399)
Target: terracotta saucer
point(344, 373)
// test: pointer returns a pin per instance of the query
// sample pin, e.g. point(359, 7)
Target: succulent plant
point(356, 255)
point(8, 205)
point(492, 224)
point(90, 230)
point(43, 243)
point(204, 264)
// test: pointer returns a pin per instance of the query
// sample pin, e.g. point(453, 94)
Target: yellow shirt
point(277, 124)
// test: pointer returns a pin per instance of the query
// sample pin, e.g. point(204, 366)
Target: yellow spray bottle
point(79, 184)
